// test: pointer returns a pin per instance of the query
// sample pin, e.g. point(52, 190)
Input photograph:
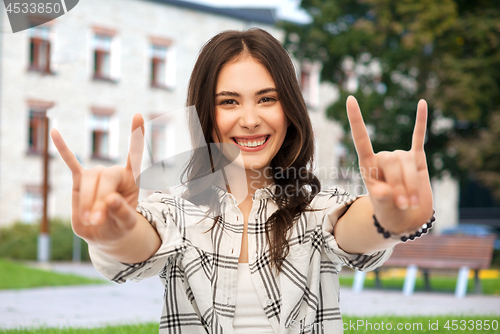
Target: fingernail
point(402, 202)
point(96, 216)
point(414, 202)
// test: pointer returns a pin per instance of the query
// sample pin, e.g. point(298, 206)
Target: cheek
point(224, 123)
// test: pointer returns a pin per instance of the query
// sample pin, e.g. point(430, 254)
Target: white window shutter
point(170, 68)
point(115, 59)
point(54, 53)
point(87, 138)
point(114, 137)
point(52, 125)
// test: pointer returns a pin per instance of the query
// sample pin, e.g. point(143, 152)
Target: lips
point(251, 142)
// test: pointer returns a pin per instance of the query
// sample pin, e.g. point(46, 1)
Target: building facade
point(90, 71)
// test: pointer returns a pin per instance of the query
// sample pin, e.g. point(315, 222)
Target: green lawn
point(14, 275)
point(490, 286)
point(132, 329)
point(358, 325)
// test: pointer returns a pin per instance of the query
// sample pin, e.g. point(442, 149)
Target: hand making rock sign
point(104, 200)
point(398, 185)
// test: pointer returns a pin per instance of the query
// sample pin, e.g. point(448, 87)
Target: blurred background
point(91, 70)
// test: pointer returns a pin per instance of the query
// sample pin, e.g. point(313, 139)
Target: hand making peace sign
point(398, 182)
point(104, 199)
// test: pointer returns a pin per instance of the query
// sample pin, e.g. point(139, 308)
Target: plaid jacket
point(199, 268)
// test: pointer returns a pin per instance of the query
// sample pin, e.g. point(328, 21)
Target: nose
point(250, 118)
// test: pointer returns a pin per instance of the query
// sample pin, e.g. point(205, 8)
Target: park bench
point(460, 252)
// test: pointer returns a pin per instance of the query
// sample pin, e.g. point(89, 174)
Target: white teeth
point(252, 144)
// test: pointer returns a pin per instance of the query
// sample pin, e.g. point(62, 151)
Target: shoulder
point(158, 197)
point(329, 196)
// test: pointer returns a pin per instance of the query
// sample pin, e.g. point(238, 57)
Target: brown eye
point(227, 102)
point(267, 99)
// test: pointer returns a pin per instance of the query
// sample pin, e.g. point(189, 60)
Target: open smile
point(251, 143)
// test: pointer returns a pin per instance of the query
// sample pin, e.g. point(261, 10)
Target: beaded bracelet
point(404, 238)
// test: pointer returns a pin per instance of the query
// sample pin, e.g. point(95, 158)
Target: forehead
point(244, 74)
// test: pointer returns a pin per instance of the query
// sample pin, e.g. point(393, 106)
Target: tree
point(447, 52)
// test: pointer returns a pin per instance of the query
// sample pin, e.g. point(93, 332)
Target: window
point(162, 139)
point(32, 204)
point(36, 133)
point(102, 57)
point(101, 137)
point(100, 125)
point(40, 49)
point(158, 65)
point(162, 57)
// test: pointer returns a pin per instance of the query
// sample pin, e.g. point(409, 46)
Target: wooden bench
point(438, 252)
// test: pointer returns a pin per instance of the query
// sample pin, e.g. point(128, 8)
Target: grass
point(358, 325)
point(439, 283)
point(15, 275)
point(128, 329)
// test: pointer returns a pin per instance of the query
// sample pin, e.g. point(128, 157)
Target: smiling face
point(248, 112)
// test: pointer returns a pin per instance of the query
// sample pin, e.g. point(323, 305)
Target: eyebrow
point(260, 92)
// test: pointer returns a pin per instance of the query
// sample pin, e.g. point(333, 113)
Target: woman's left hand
point(397, 182)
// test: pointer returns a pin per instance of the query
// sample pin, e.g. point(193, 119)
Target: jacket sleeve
point(336, 203)
point(157, 210)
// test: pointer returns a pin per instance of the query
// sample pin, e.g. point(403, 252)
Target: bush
point(19, 241)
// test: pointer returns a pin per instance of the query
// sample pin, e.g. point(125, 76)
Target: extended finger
point(66, 154)
point(393, 174)
point(410, 175)
point(418, 139)
point(134, 158)
point(89, 183)
point(109, 180)
point(360, 135)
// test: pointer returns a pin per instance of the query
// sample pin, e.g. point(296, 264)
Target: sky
point(286, 9)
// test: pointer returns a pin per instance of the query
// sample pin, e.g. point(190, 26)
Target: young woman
point(268, 262)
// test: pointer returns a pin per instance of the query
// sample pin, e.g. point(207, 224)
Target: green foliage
point(18, 276)
point(19, 241)
point(446, 52)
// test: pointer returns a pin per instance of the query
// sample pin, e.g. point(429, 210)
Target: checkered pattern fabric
point(199, 268)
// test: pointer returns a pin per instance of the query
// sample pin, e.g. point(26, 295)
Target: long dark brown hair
point(292, 165)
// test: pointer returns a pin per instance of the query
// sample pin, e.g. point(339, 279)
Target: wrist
point(405, 236)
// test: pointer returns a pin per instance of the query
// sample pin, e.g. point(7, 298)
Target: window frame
point(155, 62)
point(40, 37)
point(168, 62)
point(111, 129)
point(99, 55)
point(40, 109)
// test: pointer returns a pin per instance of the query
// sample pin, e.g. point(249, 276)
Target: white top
point(249, 316)
point(199, 269)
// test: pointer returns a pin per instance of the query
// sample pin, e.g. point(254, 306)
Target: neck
point(255, 179)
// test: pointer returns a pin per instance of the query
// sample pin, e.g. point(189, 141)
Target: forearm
point(355, 232)
point(136, 246)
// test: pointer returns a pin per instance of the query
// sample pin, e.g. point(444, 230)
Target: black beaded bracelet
point(404, 238)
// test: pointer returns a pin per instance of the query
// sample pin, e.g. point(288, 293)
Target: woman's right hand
point(104, 199)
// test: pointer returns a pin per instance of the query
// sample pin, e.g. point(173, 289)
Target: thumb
point(124, 215)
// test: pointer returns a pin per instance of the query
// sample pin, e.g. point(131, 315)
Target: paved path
point(98, 305)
